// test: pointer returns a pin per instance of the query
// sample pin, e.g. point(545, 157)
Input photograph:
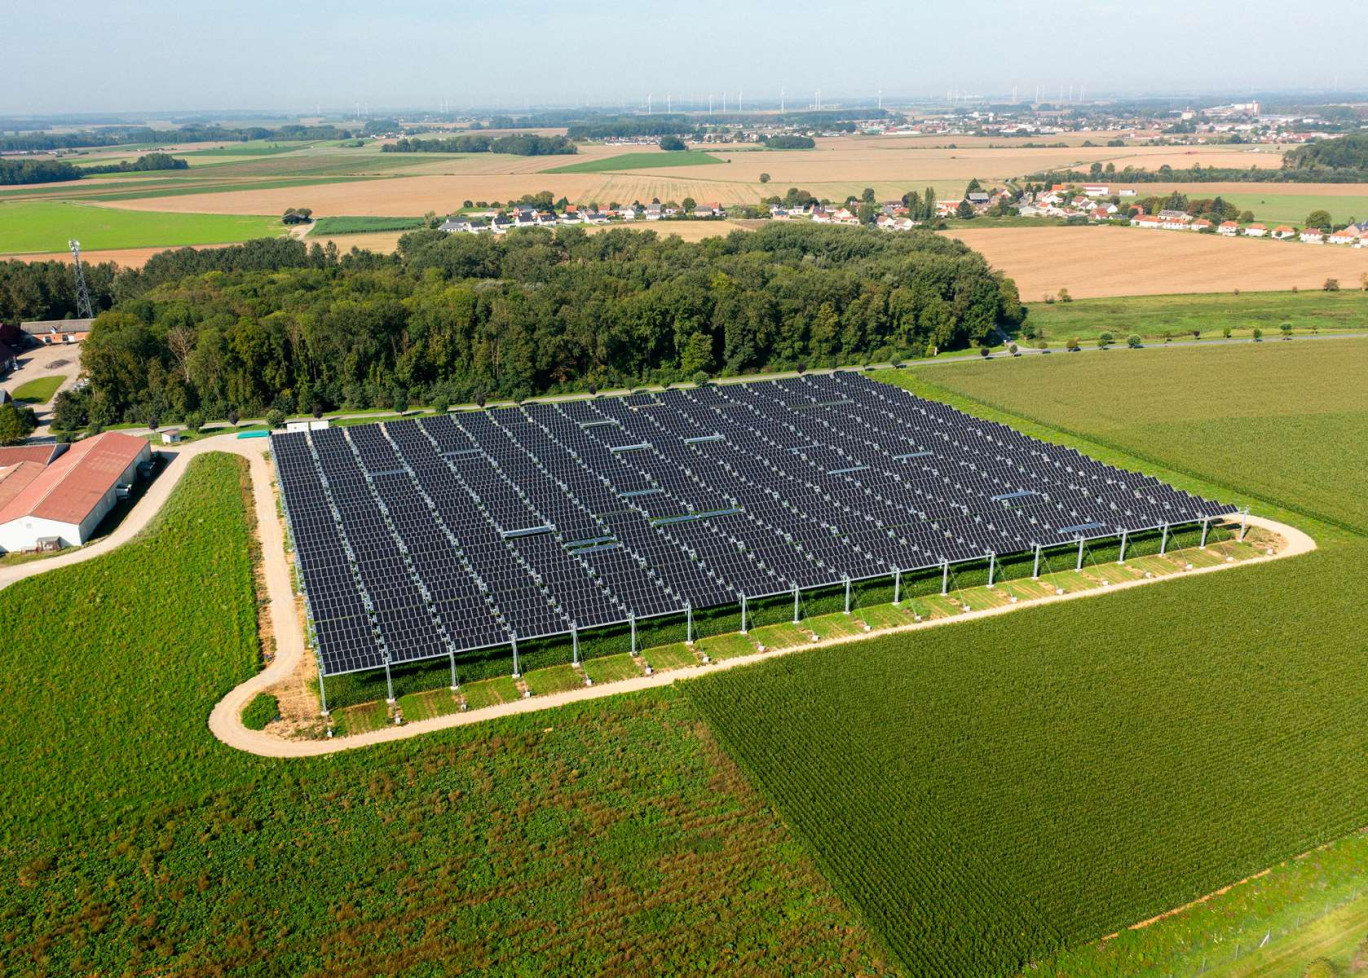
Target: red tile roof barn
point(69, 489)
point(42, 454)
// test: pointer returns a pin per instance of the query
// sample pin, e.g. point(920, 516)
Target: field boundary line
point(226, 721)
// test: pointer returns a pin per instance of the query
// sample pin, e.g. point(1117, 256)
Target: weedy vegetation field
point(612, 839)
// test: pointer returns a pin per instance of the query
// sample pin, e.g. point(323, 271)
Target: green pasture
point(46, 226)
point(1152, 315)
point(639, 161)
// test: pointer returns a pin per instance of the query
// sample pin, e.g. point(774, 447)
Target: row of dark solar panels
point(419, 539)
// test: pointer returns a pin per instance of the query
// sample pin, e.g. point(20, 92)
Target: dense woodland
point(271, 326)
point(521, 144)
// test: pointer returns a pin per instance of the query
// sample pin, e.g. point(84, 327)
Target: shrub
point(700, 377)
point(1105, 340)
point(1225, 331)
point(275, 418)
point(1064, 296)
point(1321, 968)
point(194, 421)
point(1073, 344)
point(1133, 341)
point(262, 709)
point(1258, 334)
point(441, 403)
point(1012, 349)
point(1286, 330)
point(1331, 285)
point(985, 352)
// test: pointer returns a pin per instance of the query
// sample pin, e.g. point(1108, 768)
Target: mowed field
point(1112, 261)
point(46, 227)
point(989, 795)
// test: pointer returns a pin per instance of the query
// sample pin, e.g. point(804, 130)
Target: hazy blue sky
point(129, 55)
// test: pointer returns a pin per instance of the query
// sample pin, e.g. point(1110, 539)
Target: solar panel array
point(432, 537)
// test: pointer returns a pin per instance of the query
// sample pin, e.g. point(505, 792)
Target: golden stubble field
point(1111, 261)
point(837, 167)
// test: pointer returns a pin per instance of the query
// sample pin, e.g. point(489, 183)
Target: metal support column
point(1035, 568)
point(1163, 541)
point(1244, 518)
point(631, 620)
point(389, 682)
point(945, 577)
point(847, 605)
point(322, 693)
point(454, 684)
point(688, 619)
point(1080, 555)
point(517, 673)
point(574, 645)
point(743, 614)
point(795, 605)
point(897, 587)
point(1206, 523)
point(1122, 558)
point(992, 566)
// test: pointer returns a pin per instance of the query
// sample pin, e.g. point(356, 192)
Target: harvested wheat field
point(1109, 261)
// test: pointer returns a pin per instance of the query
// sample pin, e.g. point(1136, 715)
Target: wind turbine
point(781, 99)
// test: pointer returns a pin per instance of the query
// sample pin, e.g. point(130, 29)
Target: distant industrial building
point(54, 496)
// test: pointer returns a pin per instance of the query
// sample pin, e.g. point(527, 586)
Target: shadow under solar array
point(433, 537)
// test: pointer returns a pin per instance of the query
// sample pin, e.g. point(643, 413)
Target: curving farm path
point(225, 721)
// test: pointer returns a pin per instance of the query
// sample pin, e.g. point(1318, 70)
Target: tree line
point(1207, 174)
point(519, 144)
point(51, 171)
point(34, 142)
point(273, 326)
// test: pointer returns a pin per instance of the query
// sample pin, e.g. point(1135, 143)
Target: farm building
point(47, 493)
point(8, 361)
point(51, 331)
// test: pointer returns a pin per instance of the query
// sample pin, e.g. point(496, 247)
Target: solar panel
point(419, 539)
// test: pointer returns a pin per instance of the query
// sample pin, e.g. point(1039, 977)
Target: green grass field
point(38, 391)
point(638, 161)
point(1283, 421)
point(610, 838)
point(1277, 208)
point(361, 225)
point(1152, 315)
point(45, 226)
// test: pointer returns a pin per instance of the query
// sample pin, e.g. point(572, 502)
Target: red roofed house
point(1228, 227)
point(1201, 224)
point(1348, 236)
point(64, 499)
point(1255, 231)
point(1313, 236)
point(1282, 232)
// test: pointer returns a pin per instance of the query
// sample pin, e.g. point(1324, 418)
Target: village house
point(1146, 221)
point(1228, 228)
point(1282, 232)
point(1201, 224)
point(1313, 236)
point(1349, 235)
point(1256, 231)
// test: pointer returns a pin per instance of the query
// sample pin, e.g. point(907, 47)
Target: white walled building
point(64, 498)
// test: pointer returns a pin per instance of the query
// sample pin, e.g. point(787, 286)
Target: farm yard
point(1116, 261)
